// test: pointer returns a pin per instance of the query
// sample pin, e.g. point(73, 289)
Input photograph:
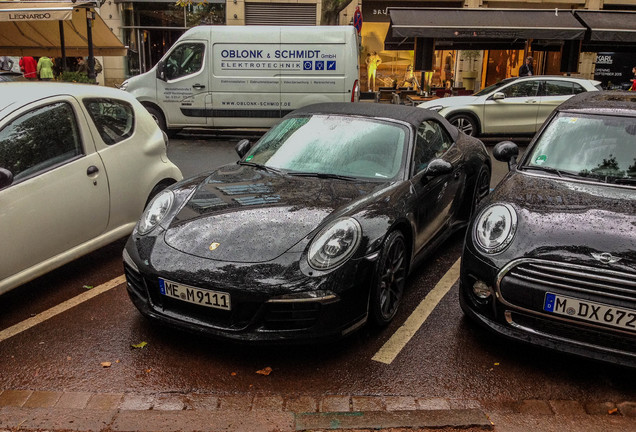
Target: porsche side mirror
point(242, 147)
point(438, 167)
point(498, 96)
point(161, 73)
point(506, 151)
point(6, 177)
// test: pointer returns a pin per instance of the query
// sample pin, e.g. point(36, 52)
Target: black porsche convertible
point(551, 258)
point(313, 232)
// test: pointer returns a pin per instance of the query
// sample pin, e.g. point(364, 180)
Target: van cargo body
point(248, 76)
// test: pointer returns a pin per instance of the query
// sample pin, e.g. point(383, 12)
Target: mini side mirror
point(498, 96)
point(506, 151)
point(438, 167)
point(6, 177)
point(242, 147)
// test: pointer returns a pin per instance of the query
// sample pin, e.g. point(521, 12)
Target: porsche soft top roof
point(603, 101)
point(409, 114)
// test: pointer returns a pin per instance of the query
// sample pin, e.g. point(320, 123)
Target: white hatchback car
point(78, 164)
point(512, 106)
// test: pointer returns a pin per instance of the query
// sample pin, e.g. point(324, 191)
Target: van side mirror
point(498, 96)
point(161, 73)
point(506, 151)
point(6, 177)
point(242, 147)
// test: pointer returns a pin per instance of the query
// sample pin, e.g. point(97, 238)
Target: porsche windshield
point(595, 147)
point(334, 145)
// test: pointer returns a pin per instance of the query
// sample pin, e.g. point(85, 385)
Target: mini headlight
point(155, 212)
point(334, 244)
point(495, 228)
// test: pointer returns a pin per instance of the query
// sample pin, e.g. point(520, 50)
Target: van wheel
point(158, 117)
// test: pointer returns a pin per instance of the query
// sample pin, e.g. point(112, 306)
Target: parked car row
point(314, 231)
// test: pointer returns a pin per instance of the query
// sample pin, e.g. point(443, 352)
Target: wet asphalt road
point(446, 358)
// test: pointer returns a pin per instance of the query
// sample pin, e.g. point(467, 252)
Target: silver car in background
point(78, 164)
point(511, 106)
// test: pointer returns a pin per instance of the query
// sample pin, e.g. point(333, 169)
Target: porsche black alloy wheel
point(389, 281)
point(464, 123)
point(482, 187)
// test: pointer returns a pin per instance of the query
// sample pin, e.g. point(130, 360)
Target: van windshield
point(334, 145)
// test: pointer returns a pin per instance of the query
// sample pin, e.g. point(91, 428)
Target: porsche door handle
point(92, 170)
point(198, 86)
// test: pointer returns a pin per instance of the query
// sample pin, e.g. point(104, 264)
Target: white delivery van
point(248, 76)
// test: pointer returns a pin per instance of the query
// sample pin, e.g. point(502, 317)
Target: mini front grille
point(134, 279)
point(575, 278)
point(291, 316)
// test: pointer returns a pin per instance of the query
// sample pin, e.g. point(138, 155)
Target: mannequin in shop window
point(373, 61)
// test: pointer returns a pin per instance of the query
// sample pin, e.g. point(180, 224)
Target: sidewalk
point(166, 412)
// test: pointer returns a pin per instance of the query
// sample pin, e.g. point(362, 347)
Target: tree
point(331, 10)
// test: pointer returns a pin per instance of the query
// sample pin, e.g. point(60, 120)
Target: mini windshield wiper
point(625, 180)
point(260, 166)
point(322, 175)
point(543, 168)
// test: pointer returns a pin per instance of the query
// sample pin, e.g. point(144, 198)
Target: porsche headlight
point(155, 212)
point(495, 228)
point(334, 244)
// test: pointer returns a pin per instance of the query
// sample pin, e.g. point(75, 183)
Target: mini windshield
point(333, 145)
point(595, 147)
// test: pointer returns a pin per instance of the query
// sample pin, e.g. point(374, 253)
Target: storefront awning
point(32, 29)
point(461, 24)
point(609, 26)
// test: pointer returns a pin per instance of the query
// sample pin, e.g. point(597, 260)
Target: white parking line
point(403, 335)
point(62, 307)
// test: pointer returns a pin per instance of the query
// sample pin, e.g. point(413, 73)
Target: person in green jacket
point(45, 68)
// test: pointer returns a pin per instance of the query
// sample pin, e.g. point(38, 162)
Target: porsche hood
point(243, 214)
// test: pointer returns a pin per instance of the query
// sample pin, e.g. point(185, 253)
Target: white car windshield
point(333, 145)
point(596, 147)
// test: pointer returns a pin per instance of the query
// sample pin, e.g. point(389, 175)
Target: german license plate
point(590, 311)
point(208, 298)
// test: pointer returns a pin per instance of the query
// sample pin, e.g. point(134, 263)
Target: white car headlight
point(436, 108)
point(495, 228)
point(123, 85)
point(334, 244)
point(155, 212)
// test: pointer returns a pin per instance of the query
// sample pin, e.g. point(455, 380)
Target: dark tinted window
point(40, 140)
point(557, 88)
point(114, 119)
point(578, 88)
point(432, 142)
point(521, 89)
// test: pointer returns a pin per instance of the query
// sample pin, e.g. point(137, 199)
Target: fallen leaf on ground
point(613, 411)
point(233, 374)
point(88, 287)
point(105, 364)
point(266, 371)
point(140, 345)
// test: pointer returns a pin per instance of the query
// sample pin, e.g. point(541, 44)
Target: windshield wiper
point(322, 175)
point(543, 168)
point(260, 166)
point(625, 180)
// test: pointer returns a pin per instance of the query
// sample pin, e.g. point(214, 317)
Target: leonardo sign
point(26, 14)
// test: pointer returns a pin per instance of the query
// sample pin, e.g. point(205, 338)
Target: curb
point(168, 412)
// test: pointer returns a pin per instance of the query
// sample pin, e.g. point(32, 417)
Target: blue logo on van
point(307, 65)
point(320, 65)
point(331, 65)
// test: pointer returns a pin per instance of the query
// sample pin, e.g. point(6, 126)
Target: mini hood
point(561, 219)
point(243, 214)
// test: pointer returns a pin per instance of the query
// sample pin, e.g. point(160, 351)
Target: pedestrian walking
point(527, 69)
point(29, 67)
point(633, 80)
point(45, 68)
